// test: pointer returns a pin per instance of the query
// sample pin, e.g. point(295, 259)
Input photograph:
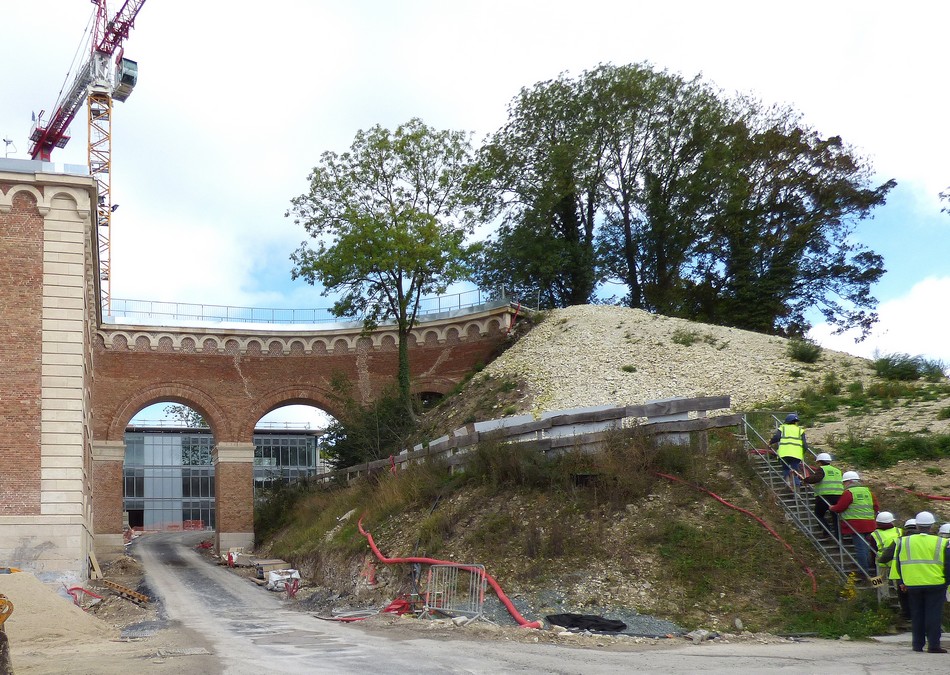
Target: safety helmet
point(910, 522)
point(850, 475)
point(885, 517)
point(823, 457)
point(925, 518)
point(944, 529)
point(791, 418)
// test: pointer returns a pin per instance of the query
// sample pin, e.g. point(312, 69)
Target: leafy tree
point(542, 172)
point(187, 416)
point(779, 241)
point(389, 221)
point(703, 207)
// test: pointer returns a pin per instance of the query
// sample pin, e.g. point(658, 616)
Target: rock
point(698, 635)
point(738, 623)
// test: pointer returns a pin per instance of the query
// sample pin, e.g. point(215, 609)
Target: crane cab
point(126, 75)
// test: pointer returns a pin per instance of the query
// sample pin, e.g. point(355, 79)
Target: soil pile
point(41, 616)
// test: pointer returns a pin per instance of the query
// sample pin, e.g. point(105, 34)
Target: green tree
point(779, 241)
point(389, 220)
point(542, 174)
point(187, 416)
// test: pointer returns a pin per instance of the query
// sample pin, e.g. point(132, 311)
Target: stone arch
point(431, 338)
point(79, 204)
point(6, 200)
point(175, 392)
point(434, 384)
point(277, 398)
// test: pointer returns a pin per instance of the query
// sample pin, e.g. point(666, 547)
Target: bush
point(685, 337)
point(804, 350)
point(904, 367)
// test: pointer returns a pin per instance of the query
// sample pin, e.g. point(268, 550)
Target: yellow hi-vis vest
point(790, 444)
point(861, 506)
point(831, 482)
point(883, 538)
point(920, 560)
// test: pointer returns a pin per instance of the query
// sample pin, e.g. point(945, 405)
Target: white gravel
point(576, 357)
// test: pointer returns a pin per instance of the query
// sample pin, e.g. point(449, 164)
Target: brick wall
point(21, 278)
point(234, 491)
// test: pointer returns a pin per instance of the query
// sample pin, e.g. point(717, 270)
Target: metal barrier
point(456, 590)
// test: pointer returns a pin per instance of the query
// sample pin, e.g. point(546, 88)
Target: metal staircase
point(798, 505)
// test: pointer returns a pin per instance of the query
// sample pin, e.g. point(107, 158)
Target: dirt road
point(218, 622)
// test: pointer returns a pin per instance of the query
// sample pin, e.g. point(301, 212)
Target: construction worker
point(923, 566)
point(828, 488)
point(790, 439)
point(886, 556)
point(944, 531)
point(857, 507)
point(886, 534)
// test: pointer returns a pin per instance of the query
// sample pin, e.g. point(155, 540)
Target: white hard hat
point(823, 457)
point(944, 529)
point(850, 475)
point(885, 517)
point(910, 522)
point(925, 518)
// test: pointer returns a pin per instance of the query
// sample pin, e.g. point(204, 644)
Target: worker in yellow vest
point(857, 507)
point(886, 557)
point(827, 484)
point(791, 446)
point(923, 566)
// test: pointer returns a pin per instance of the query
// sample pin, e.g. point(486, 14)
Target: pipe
point(918, 494)
point(808, 571)
point(515, 614)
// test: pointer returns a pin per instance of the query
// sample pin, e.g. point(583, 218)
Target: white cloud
point(915, 324)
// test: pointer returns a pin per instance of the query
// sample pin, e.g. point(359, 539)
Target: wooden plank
point(589, 417)
point(96, 572)
point(126, 593)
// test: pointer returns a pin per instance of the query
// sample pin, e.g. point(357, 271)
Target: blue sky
point(235, 102)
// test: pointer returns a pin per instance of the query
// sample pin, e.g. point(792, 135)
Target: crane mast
point(97, 83)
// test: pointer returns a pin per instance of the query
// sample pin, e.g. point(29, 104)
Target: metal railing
point(184, 311)
point(798, 505)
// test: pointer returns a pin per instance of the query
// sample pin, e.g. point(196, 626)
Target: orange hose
point(515, 614)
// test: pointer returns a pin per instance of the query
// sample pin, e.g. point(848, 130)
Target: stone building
point(47, 265)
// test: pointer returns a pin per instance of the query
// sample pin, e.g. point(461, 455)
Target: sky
point(237, 100)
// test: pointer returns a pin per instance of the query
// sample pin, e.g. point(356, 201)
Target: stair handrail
point(836, 559)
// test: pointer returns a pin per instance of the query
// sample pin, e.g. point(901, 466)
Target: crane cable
point(515, 614)
point(798, 559)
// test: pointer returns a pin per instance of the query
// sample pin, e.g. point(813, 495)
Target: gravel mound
point(591, 355)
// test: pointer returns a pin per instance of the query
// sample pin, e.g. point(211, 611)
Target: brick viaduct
point(74, 382)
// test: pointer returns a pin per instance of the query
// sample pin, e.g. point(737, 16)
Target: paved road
point(248, 631)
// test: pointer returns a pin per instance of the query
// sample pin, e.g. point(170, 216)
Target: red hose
point(808, 571)
point(515, 614)
point(918, 494)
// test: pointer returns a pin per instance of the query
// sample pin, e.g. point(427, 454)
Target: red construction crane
point(98, 81)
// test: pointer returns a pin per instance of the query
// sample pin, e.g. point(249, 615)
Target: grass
point(885, 451)
point(904, 367)
point(685, 337)
point(805, 351)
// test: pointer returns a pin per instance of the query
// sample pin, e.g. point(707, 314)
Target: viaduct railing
point(121, 308)
point(561, 431)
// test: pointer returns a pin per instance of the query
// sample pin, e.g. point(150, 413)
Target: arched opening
point(287, 445)
point(168, 476)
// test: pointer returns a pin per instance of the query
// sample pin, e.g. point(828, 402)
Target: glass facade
point(169, 477)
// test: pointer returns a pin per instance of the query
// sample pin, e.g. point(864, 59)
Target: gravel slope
point(591, 355)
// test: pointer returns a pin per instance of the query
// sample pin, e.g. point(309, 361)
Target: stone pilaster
point(108, 460)
point(234, 495)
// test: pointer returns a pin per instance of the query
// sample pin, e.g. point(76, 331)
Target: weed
point(508, 385)
point(933, 471)
point(509, 410)
point(885, 451)
point(831, 384)
point(629, 368)
point(944, 413)
point(804, 350)
point(685, 336)
point(795, 374)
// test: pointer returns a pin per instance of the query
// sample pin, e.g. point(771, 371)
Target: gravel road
point(248, 630)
